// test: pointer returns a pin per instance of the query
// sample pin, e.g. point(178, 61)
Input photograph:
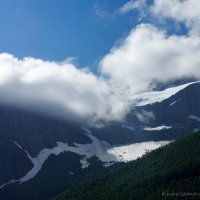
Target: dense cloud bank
point(148, 55)
point(59, 89)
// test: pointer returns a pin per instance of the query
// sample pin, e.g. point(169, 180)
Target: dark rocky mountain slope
point(41, 156)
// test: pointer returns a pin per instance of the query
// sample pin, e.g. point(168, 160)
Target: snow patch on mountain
point(7, 183)
point(194, 117)
point(86, 130)
point(146, 98)
point(133, 151)
point(105, 152)
point(158, 128)
point(84, 163)
point(128, 127)
point(108, 164)
point(171, 104)
point(45, 153)
point(17, 145)
point(71, 173)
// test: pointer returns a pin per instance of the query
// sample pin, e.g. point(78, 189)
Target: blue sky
point(56, 29)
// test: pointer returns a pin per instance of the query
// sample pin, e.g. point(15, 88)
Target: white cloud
point(59, 89)
point(133, 5)
point(101, 11)
point(186, 11)
point(182, 11)
point(146, 56)
point(149, 54)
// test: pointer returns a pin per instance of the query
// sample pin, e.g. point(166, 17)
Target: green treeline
point(170, 172)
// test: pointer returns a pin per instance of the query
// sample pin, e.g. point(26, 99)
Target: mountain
point(159, 115)
point(172, 171)
point(41, 156)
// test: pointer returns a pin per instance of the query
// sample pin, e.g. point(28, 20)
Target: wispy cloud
point(133, 5)
point(181, 11)
point(101, 11)
point(186, 11)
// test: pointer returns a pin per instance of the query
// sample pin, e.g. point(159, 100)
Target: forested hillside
point(172, 171)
